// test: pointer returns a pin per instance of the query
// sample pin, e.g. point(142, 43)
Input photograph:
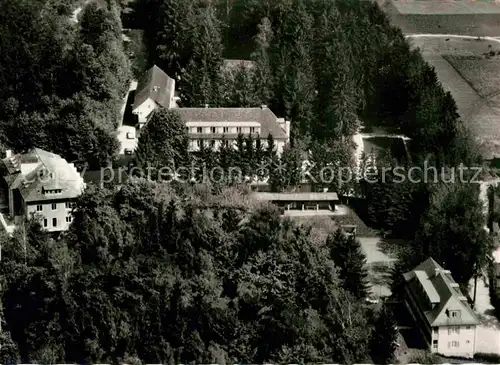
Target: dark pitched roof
point(440, 295)
point(50, 172)
point(268, 121)
point(156, 85)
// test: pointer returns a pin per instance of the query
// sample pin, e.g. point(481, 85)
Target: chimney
point(263, 106)
point(206, 106)
point(8, 153)
point(436, 272)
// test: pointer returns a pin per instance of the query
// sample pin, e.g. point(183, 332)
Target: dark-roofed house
point(301, 201)
point(155, 89)
point(212, 126)
point(440, 309)
point(40, 182)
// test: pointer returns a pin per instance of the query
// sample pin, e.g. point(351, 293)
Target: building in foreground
point(39, 182)
point(447, 322)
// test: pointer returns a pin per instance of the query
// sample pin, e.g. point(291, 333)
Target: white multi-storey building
point(208, 126)
point(442, 312)
point(40, 182)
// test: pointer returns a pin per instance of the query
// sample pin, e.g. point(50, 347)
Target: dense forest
point(325, 65)
point(166, 274)
point(61, 83)
point(198, 273)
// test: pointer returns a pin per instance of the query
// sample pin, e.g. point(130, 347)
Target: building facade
point(442, 312)
point(208, 126)
point(300, 201)
point(41, 183)
point(155, 89)
point(215, 126)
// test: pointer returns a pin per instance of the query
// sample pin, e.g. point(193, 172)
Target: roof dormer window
point(454, 314)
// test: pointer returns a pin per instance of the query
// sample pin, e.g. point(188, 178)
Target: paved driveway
point(488, 332)
point(124, 141)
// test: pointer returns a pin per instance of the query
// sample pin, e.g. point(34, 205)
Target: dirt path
point(492, 39)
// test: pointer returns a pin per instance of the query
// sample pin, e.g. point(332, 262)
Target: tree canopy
point(163, 144)
point(61, 84)
point(164, 275)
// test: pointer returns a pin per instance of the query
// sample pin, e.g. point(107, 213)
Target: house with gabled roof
point(39, 182)
point(215, 126)
point(441, 310)
point(209, 126)
point(155, 89)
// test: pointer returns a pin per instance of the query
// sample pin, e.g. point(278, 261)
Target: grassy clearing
point(454, 46)
point(352, 218)
point(482, 73)
point(475, 24)
point(470, 70)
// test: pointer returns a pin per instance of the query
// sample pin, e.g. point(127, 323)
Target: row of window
point(200, 142)
point(68, 205)
point(451, 329)
point(214, 130)
point(450, 343)
point(69, 219)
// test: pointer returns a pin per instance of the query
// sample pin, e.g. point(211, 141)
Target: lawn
point(470, 70)
point(482, 73)
point(476, 18)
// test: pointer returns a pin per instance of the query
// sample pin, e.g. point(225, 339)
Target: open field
point(453, 7)
point(466, 17)
point(482, 74)
point(470, 70)
point(454, 46)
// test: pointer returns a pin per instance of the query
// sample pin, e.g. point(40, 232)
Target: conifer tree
point(250, 160)
point(263, 76)
point(348, 256)
point(171, 41)
point(384, 336)
point(270, 152)
point(259, 152)
point(201, 81)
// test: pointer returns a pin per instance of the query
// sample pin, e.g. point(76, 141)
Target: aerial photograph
point(249, 182)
